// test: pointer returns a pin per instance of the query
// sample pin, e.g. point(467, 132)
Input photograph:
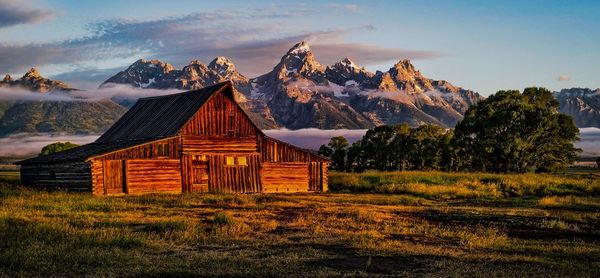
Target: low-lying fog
point(310, 138)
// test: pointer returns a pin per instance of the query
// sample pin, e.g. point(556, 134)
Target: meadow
point(370, 224)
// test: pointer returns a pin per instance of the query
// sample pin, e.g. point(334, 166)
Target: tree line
point(508, 132)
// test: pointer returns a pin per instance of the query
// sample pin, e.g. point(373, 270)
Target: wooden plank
point(285, 177)
point(154, 175)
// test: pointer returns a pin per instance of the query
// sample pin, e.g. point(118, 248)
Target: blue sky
point(481, 45)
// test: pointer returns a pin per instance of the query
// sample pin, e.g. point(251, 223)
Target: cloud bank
point(590, 141)
point(309, 138)
point(116, 91)
point(12, 14)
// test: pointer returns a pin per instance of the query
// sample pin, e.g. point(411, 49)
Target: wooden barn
point(196, 141)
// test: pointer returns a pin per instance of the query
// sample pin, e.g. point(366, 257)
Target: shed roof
point(84, 152)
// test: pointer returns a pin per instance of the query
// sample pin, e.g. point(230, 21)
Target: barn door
point(200, 171)
point(114, 176)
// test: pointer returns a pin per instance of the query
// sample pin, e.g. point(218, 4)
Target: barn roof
point(159, 117)
point(84, 152)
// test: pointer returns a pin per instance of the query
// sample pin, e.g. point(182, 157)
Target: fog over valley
point(24, 144)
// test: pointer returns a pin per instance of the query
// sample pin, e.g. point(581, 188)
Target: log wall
point(68, 175)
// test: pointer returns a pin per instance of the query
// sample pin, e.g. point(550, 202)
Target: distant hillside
point(72, 117)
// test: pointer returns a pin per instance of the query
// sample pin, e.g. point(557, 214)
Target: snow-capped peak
point(32, 73)
point(301, 47)
point(222, 65)
point(348, 63)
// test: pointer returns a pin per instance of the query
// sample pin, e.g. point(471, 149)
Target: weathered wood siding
point(145, 151)
point(114, 177)
point(317, 172)
point(276, 151)
point(285, 177)
point(325, 184)
point(68, 175)
point(197, 144)
point(97, 176)
point(153, 175)
point(239, 179)
point(220, 117)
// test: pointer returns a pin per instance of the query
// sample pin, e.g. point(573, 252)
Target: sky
point(485, 46)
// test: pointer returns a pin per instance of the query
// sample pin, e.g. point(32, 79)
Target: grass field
point(372, 224)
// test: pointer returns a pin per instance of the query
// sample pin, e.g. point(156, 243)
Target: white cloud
point(114, 91)
point(12, 13)
point(564, 78)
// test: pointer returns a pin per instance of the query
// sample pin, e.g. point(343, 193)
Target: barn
point(196, 141)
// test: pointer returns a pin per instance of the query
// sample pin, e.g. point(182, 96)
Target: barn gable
point(161, 116)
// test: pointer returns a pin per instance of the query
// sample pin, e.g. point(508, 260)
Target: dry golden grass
point(464, 227)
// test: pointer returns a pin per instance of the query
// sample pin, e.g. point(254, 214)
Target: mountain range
point(299, 92)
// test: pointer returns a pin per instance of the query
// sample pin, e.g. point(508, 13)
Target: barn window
point(201, 157)
point(241, 160)
point(236, 161)
point(163, 150)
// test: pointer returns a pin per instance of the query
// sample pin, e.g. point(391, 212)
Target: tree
point(356, 157)
point(425, 147)
point(375, 144)
point(598, 162)
point(515, 132)
point(57, 147)
point(336, 150)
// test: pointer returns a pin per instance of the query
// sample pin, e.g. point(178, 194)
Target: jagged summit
point(222, 65)
point(347, 62)
point(32, 80)
point(299, 61)
point(32, 73)
point(301, 47)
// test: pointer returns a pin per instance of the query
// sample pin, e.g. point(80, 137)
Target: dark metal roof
point(159, 117)
point(84, 152)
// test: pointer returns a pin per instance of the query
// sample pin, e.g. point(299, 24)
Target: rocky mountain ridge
point(582, 104)
point(299, 92)
point(32, 80)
